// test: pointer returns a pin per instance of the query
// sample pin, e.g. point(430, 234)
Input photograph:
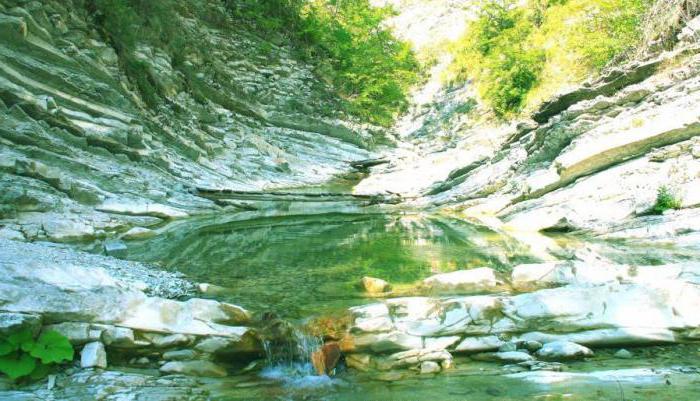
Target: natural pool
point(307, 265)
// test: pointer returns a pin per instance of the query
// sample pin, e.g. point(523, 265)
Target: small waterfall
point(289, 361)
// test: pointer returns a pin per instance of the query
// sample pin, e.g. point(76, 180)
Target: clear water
point(308, 265)
point(305, 266)
point(655, 374)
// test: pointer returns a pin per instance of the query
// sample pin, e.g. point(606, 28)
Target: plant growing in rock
point(22, 355)
point(665, 200)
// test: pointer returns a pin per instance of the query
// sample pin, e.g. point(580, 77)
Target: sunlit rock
point(479, 344)
point(429, 367)
point(506, 356)
point(375, 285)
point(563, 350)
point(479, 279)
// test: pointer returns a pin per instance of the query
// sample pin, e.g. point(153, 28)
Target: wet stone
point(116, 249)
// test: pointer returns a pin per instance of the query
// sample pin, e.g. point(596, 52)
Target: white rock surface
point(93, 355)
point(194, 368)
point(429, 367)
point(120, 337)
point(479, 279)
point(507, 356)
point(479, 344)
point(645, 306)
point(563, 350)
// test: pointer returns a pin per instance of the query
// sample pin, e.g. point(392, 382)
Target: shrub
point(665, 200)
point(520, 55)
point(352, 51)
point(22, 355)
point(496, 52)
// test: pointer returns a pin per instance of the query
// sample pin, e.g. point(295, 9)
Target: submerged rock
point(623, 354)
point(116, 249)
point(137, 233)
point(194, 368)
point(563, 350)
point(375, 285)
point(480, 279)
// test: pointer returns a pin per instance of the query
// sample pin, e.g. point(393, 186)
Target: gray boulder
point(563, 350)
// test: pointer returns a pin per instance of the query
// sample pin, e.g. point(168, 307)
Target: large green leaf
point(16, 366)
point(52, 347)
point(6, 347)
point(22, 339)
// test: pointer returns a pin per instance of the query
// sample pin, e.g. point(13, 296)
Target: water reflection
point(299, 266)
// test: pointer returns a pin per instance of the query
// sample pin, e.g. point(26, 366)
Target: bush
point(520, 55)
point(665, 200)
point(352, 51)
point(495, 51)
point(664, 21)
point(23, 356)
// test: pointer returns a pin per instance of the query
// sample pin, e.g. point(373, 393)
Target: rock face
point(115, 319)
point(624, 306)
point(636, 126)
point(88, 152)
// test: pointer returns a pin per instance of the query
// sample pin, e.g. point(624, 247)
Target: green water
point(302, 266)
point(305, 266)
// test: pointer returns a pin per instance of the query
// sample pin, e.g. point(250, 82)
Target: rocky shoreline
point(84, 162)
point(581, 306)
point(131, 340)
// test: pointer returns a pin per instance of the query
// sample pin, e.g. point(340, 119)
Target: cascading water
point(289, 361)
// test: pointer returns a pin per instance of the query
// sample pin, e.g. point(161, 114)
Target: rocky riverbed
point(209, 248)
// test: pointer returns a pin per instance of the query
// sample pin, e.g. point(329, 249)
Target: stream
point(302, 267)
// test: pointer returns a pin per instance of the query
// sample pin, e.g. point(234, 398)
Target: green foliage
point(52, 347)
point(665, 200)
point(369, 68)
point(521, 54)
point(351, 49)
point(22, 355)
point(495, 50)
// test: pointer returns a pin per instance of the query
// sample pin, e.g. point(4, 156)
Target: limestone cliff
point(85, 153)
point(591, 159)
